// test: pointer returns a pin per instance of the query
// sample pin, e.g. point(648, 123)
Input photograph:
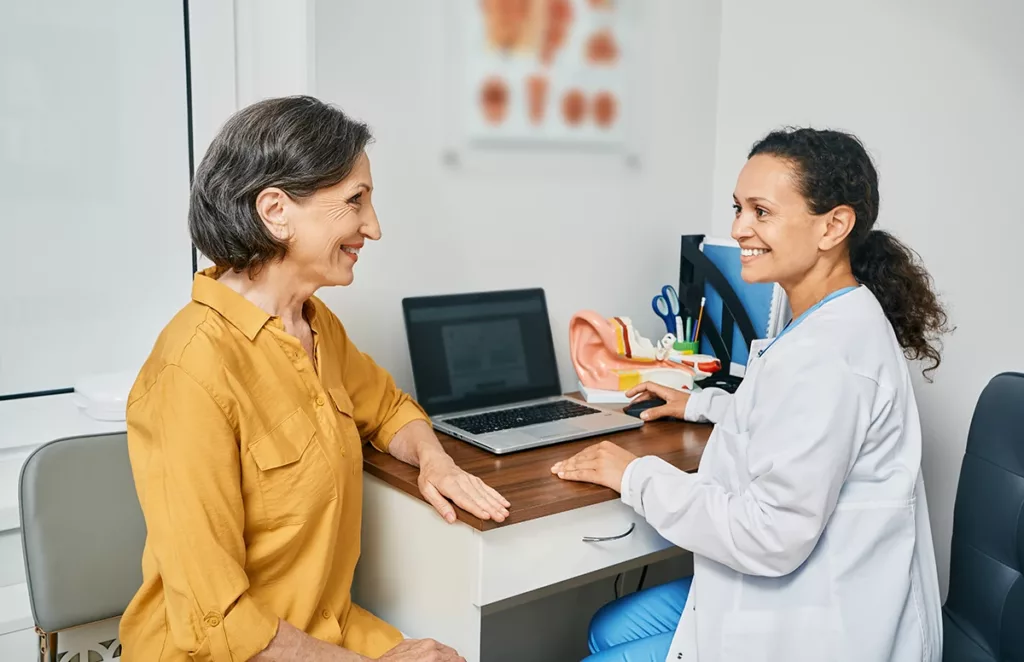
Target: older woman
point(246, 423)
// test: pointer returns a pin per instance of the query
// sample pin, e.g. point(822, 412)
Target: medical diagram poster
point(544, 71)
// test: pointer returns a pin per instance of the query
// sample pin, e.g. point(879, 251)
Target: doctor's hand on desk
point(602, 464)
point(441, 479)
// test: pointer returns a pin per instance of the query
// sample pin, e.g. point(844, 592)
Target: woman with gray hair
point(246, 423)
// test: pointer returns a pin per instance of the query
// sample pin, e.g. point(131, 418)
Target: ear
point(271, 204)
point(838, 225)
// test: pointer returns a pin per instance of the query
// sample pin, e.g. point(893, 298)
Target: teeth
point(349, 249)
point(751, 252)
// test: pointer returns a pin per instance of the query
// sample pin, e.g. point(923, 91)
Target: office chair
point(983, 617)
point(82, 534)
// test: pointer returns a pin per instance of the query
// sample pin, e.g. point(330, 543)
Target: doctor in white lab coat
point(807, 518)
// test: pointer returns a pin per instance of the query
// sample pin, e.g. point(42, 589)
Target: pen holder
point(689, 347)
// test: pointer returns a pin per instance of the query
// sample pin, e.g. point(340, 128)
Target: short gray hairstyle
point(298, 144)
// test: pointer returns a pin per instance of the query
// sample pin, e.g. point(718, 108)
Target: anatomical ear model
point(610, 354)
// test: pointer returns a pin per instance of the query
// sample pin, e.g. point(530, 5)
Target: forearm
point(415, 443)
point(293, 645)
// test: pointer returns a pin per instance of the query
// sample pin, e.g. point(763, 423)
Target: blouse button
point(319, 401)
point(212, 619)
point(326, 614)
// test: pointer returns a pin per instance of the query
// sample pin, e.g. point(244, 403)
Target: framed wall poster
point(544, 71)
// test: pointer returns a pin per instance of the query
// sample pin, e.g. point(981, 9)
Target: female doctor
point(807, 518)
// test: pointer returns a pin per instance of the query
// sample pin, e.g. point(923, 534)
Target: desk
point(432, 579)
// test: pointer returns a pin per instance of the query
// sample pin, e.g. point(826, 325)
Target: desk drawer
point(523, 557)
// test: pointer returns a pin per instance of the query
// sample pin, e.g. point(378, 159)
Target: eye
point(761, 212)
point(736, 209)
point(356, 199)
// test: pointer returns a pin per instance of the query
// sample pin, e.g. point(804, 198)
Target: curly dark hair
point(834, 169)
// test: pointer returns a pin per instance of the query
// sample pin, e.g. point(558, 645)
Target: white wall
point(243, 52)
point(511, 220)
point(94, 182)
point(936, 92)
point(273, 46)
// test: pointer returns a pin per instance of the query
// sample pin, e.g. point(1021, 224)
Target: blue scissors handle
point(672, 298)
point(663, 309)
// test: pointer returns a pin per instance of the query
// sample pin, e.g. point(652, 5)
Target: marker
point(689, 327)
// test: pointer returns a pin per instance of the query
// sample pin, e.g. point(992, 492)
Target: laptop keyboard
point(507, 419)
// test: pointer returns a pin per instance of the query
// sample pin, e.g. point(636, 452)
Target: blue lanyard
point(803, 316)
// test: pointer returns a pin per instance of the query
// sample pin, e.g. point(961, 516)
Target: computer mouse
point(635, 408)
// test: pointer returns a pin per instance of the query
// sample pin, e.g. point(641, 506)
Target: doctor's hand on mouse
point(604, 463)
point(674, 401)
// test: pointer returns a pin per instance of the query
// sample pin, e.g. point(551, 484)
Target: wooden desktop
point(525, 478)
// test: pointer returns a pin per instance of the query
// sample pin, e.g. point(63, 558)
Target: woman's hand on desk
point(421, 650)
point(675, 401)
point(440, 477)
point(602, 463)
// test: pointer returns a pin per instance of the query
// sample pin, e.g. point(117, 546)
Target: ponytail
point(833, 169)
point(895, 275)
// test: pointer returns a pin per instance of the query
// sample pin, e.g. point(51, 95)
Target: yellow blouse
point(247, 459)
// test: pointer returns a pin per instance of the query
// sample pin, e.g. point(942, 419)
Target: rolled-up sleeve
point(191, 499)
point(380, 408)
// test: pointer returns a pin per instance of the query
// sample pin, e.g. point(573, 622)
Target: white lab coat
point(807, 518)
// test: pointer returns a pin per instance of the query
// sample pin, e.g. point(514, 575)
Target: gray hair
point(298, 144)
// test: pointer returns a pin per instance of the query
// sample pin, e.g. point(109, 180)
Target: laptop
point(485, 372)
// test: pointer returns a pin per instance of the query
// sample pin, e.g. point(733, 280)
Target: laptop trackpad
point(549, 430)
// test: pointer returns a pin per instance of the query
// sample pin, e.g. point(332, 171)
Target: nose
point(371, 226)
point(741, 228)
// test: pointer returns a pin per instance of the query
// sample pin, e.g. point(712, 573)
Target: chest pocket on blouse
point(352, 445)
point(295, 477)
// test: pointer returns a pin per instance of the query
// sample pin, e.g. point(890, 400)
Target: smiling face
point(324, 231)
point(781, 240)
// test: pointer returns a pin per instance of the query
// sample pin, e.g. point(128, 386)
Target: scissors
point(666, 306)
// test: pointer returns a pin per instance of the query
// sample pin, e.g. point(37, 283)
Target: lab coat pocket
point(804, 634)
point(294, 474)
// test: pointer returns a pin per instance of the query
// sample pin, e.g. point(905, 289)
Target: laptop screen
point(480, 350)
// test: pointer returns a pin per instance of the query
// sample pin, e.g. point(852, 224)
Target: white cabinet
point(433, 579)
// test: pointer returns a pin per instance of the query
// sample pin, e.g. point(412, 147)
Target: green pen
point(689, 327)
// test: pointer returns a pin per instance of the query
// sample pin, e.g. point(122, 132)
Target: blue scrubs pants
point(640, 626)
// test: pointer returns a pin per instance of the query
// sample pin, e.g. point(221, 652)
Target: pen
point(700, 316)
point(689, 327)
